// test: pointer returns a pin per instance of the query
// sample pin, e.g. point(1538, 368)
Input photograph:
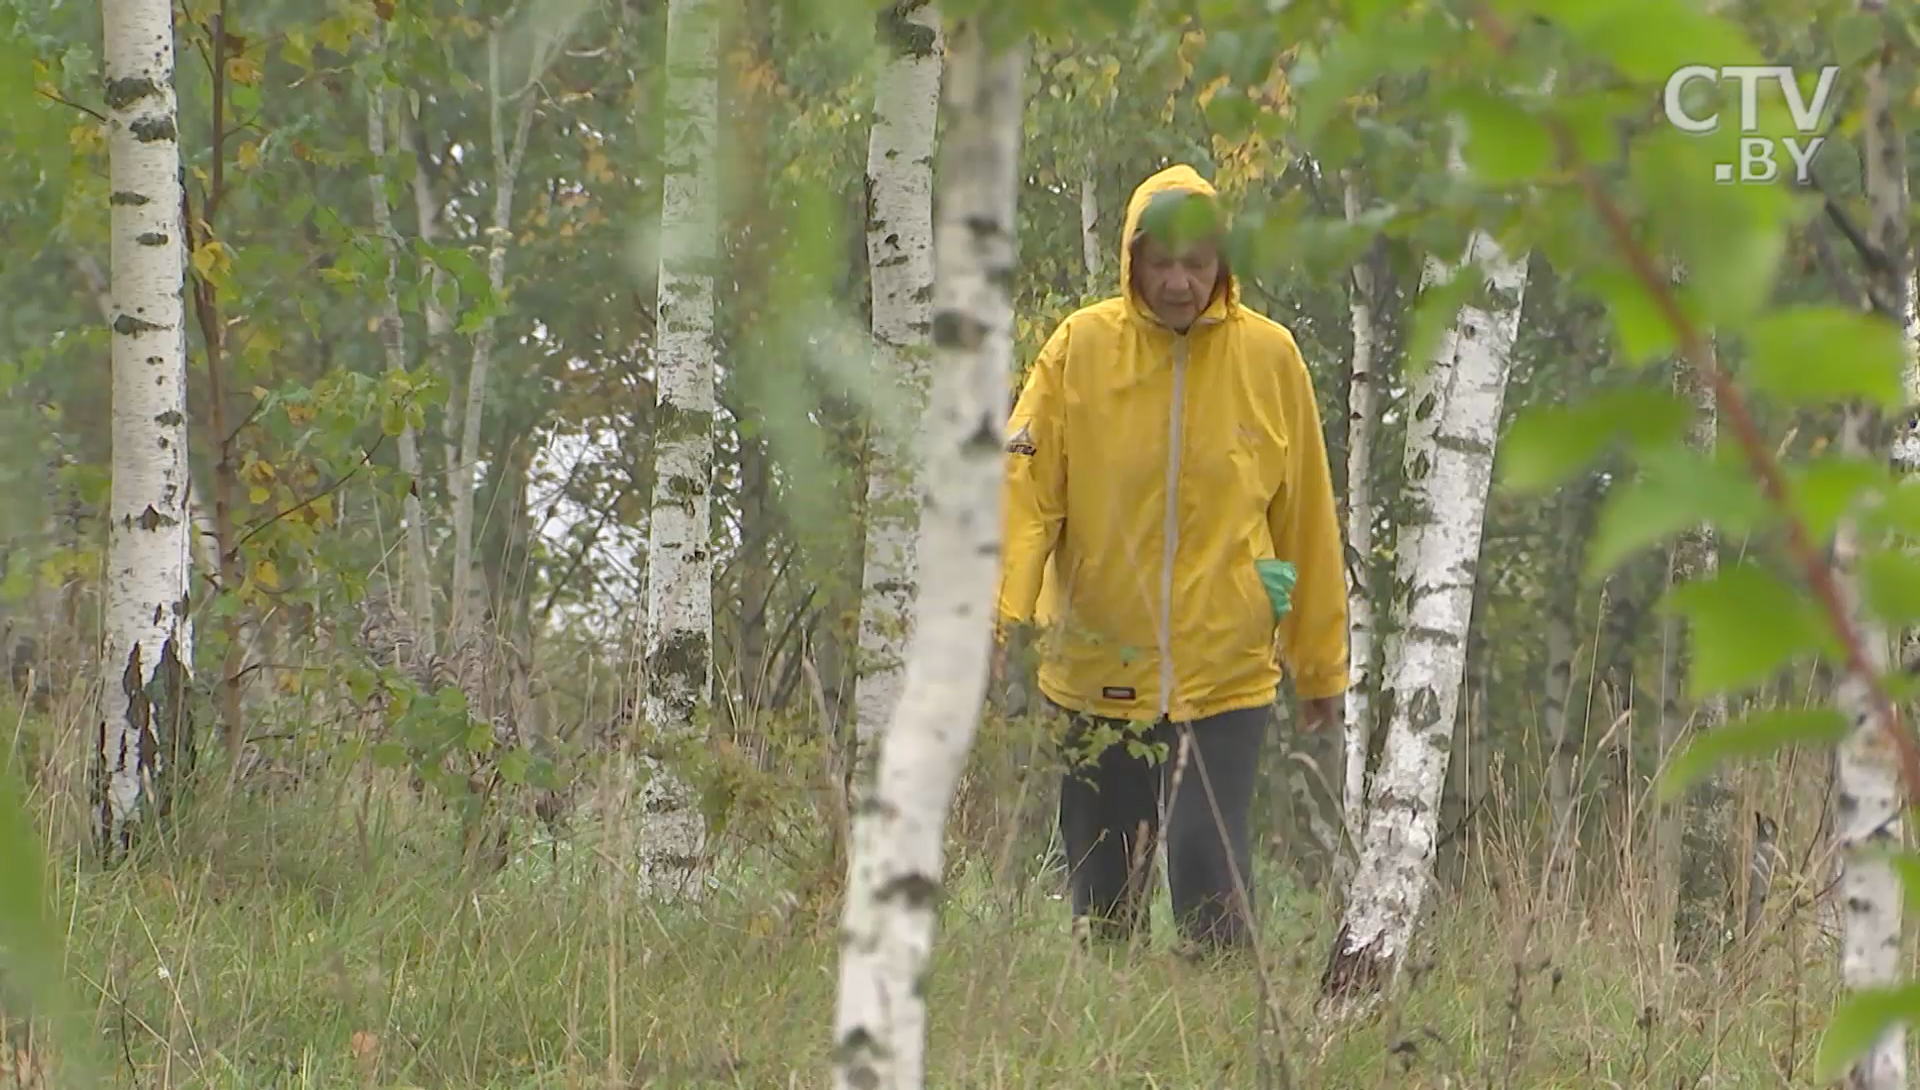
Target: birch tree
point(679, 632)
point(906, 104)
point(1362, 412)
point(1698, 833)
point(895, 866)
point(149, 636)
point(1451, 435)
point(1867, 817)
point(393, 337)
point(507, 156)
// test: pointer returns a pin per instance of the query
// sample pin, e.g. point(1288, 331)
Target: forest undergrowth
point(331, 935)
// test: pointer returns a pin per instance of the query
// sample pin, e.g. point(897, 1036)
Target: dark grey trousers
point(1110, 813)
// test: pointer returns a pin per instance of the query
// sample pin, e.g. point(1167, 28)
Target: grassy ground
point(316, 943)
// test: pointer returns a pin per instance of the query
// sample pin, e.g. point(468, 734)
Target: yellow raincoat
point(1147, 472)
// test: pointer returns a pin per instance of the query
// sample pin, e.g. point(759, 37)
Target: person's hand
point(1321, 711)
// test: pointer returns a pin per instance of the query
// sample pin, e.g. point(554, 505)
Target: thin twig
point(51, 97)
point(330, 489)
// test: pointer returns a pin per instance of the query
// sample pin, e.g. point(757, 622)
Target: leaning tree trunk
point(1868, 821)
point(1362, 411)
point(393, 336)
point(149, 635)
point(900, 255)
point(1449, 467)
point(880, 1021)
point(679, 647)
point(462, 607)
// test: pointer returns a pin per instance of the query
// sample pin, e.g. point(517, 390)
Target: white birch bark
point(1702, 830)
point(1448, 472)
point(900, 258)
point(679, 633)
point(426, 211)
point(880, 1021)
point(149, 636)
point(506, 175)
point(1090, 223)
point(1362, 412)
point(419, 584)
point(1867, 818)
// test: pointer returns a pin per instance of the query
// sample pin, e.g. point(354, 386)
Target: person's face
point(1177, 283)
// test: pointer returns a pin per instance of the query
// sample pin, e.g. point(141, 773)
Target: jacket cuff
point(1320, 686)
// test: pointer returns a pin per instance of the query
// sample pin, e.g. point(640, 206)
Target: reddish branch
point(1759, 459)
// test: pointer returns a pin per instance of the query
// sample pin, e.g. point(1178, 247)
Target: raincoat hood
point(1176, 178)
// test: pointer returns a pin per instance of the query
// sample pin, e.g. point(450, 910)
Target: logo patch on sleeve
point(1022, 442)
point(1117, 692)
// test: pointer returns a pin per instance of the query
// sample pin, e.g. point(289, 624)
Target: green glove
point(1278, 577)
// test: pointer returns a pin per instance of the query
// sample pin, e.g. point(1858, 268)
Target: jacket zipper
point(1170, 533)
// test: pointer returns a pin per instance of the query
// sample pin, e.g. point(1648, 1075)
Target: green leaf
point(1548, 443)
point(1730, 238)
point(389, 755)
point(1642, 329)
point(1757, 735)
point(1504, 144)
point(514, 766)
point(1891, 581)
point(1898, 510)
point(1906, 866)
point(1823, 489)
point(1434, 314)
point(1858, 1022)
point(1678, 489)
point(1746, 623)
point(1648, 39)
point(1814, 354)
point(478, 738)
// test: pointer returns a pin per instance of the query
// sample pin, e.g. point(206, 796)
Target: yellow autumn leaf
point(202, 260)
point(248, 156)
point(243, 71)
point(267, 574)
point(258, 494)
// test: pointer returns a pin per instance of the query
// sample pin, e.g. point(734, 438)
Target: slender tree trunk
point(1868, 814)
point(208, 313)
point(1563, 746)
point(1362, 412)
point(758, 540)
point(880, 1022)
point(426, 211)
point(900, 257)
point(1449, 466)
point(1701, 831)
point(1090, 223)
point(506, 175)
point(679, 637)
point(149, 636)
point(393, 334)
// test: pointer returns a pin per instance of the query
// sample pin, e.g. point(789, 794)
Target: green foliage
point(1678, 489)
point(1549, 445)
point(1759, 735)
point(1859, 1020)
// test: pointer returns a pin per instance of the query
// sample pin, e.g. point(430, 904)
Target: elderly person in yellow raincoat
point(1168, 481)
